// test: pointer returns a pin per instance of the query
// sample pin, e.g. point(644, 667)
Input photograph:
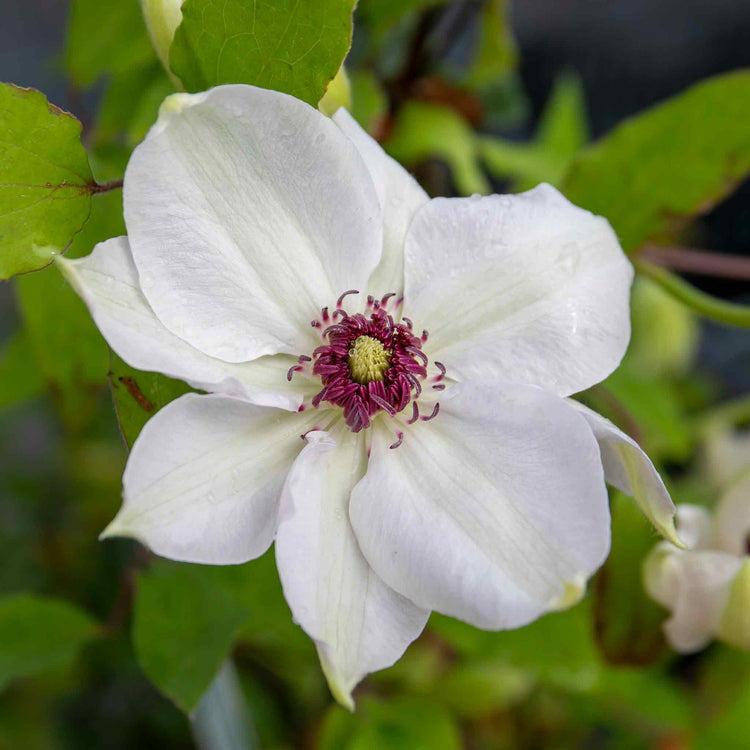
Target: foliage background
point(598, 675)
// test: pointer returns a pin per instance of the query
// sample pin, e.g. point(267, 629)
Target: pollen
point(368, 360)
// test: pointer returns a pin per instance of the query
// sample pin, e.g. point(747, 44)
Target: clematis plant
point(706, 587)
point(387, 376)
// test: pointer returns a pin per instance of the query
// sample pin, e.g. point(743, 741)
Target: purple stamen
point(340, 300)
point(435, 411)
point(392, 389)
point(414, 413)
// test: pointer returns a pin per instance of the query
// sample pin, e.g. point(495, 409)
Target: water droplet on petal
point(568, 259)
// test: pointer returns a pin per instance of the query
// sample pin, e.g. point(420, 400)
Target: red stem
point(700, 262)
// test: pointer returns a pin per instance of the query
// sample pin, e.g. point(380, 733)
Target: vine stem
point(105, 187)
point(689, 260)
point(708, 306)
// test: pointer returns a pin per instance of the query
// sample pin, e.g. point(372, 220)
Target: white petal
point(733, 518)
point(521, 288)
point(661, 574)
point(400, 197)
point(203, 480)
point(629, 469)
point(694, 526)
point(486, 512)
point(247, 210)
point(359, 624)
point(107, 280)
point(695, 586)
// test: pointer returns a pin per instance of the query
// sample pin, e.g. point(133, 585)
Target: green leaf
point(729, 732)
point(563, 128)
point(369, 101)
point(186, 620)
point(45, 180)
point(646, 698)
point(497, 55)
point(68, 349)
point(105, 37)
point(69, 352)
point(655, 407)
point(139, 395)
point(39, 633)
point(525, 163)
point(492, 75)
point(558, 648)
point(627, 622)
point(670, 163)
point(294, 46)
point(422, 131)
point(482, 688)
point(561, 134)
point(131, 104)
point(381, 14)
point(722, 689)
point(20, 380)
point(402, 723)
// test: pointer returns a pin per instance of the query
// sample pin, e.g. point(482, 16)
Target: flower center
point(368, 360)
point(368, 363)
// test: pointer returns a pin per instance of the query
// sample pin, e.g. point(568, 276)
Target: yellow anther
point(368, 360)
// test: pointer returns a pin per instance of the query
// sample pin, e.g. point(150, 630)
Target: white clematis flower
point(408, 446)
point(707, 586)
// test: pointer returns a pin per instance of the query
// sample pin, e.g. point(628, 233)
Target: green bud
point(162, 19)
point(734, 628)
point(338, 94)
point(665, 332)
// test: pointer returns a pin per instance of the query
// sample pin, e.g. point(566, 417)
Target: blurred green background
point(473, 97)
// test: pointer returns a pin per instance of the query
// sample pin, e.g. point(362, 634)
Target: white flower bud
point(162, 19)
point(735, 623)
point(706, 587)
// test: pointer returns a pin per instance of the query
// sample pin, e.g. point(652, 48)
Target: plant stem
point(105, 187)
point(708, 306)
point(705, 263)
point(221, 720)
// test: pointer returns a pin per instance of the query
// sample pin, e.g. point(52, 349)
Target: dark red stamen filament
point(361, 401)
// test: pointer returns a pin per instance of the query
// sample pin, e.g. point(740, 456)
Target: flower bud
point(735, 623)
point(706, 587)
point(162, 19)
point(665, 332)
point(338, 94)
